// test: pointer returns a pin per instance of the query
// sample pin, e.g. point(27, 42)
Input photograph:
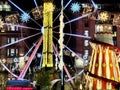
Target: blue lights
point(25, 17)
point(75, 7)
point(42, 30)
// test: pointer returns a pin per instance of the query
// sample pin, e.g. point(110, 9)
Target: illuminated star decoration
point(75, 7)
point(25, 17)
point(104, 16)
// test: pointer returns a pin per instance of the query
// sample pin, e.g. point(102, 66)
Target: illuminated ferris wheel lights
point(25, 18)
point(94, 4)
point(42, 30)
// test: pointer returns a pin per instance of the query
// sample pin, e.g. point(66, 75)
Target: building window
point(12, 28)
point(86, 43)
point(12, 52)
point(86, 54)
point(6, 7)
point(86, 24)
point(86, 33)
point(12, 39)
point(1, 8)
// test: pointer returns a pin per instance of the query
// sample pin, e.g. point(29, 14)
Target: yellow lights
point(111, 65)
point(37, 12)
point(47, 37)
point(1, 23)
point(4, 60)
point(116, 20)
point(87, 9)
point(2, 30)
point(103, 64)
point(49, 7)
point(96, 65)
point(103, 27)
point(66, 52)
point(21, 54)
point(11, 18)
point(104, 16)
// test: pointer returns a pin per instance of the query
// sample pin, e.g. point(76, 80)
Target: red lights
point(19, 88)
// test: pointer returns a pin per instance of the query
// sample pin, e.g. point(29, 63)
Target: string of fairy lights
point(61, 25)
point(37, 13)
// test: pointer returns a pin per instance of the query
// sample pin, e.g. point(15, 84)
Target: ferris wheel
point(46, 35)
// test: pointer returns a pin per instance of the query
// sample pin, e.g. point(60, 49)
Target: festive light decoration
point(50, 7)
point(94, 4)
point(48, 27)
point(60, 41)
point(19, 88)
point(37, 6)
point(23, 12)
point(63, 9)
point(56, 61)
point(116, 20)
point(65, 68)
point(6, 45)
point(78, 35)
point(1, 23)
point(8, 69)
point(16, 6)
point(78, 18)
point(87, 9)
point(15, 60)
point(104, 16)
point(25, 17)
point(75, 7)
point(82, 71)
point(37, 12)
point(42, 30)
point(21, 26)
point(23, 73)
point(11, 18)
point(47, 37)
point(29, 51)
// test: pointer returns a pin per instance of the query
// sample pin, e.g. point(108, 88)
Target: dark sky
point(27, 5)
